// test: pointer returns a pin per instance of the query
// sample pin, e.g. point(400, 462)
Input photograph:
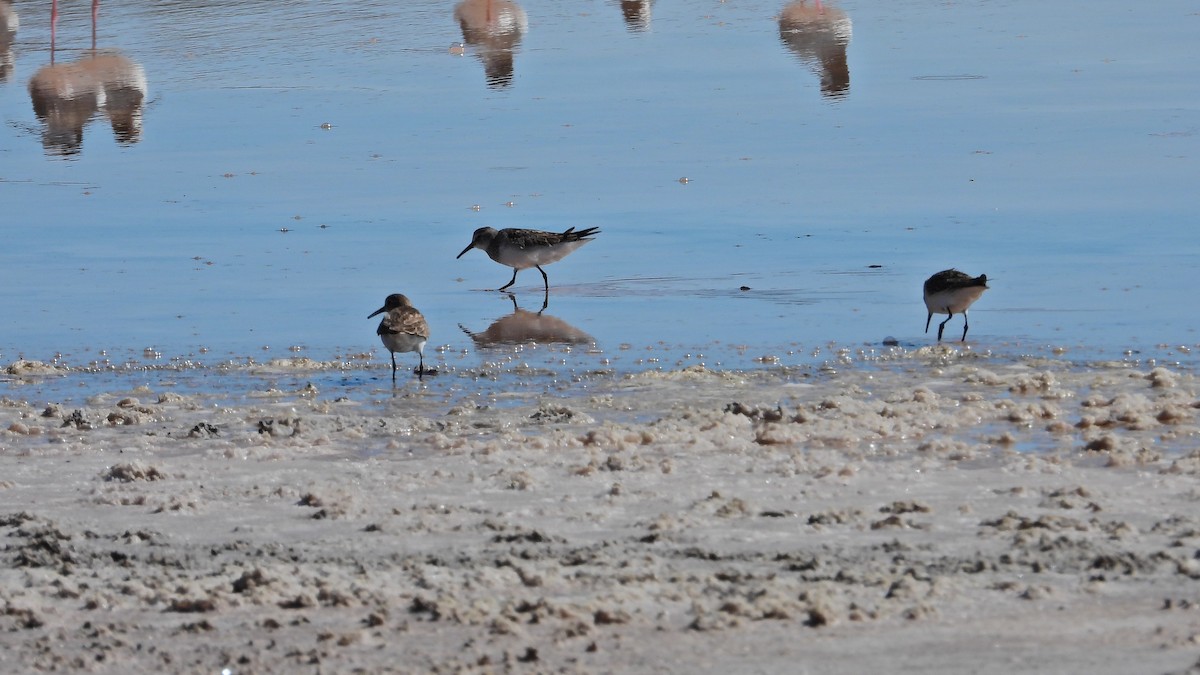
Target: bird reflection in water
point(637, 14)
point(493, 29)
point(818, 34)
point(66, 96)
point(525, 327)
point(8, 32)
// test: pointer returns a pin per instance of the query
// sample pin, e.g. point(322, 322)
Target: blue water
point(1052, 146)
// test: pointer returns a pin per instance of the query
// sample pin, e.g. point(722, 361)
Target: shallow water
point(1052, 147)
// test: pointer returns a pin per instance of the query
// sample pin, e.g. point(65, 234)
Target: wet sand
point(935, 510)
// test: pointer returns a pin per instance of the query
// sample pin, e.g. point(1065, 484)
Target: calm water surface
point(287, 165)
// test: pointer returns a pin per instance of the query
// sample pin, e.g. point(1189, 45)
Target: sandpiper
point(521, 249)
point(951, 292)
point(402, 329)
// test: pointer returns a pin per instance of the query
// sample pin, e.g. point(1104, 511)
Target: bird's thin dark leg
point(95, 14)
point(545, 279)
point(53, 27)
point(421, 368)
point(966, 325)
point(927, 320)
point(942, 325)
point(511, 281)
point(393, 366)
point(545, 300)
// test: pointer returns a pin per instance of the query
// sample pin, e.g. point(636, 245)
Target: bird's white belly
point(956, 301)
point(403, 342)
point(522, 258)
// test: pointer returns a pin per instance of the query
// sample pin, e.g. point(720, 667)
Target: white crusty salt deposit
point(932, 511)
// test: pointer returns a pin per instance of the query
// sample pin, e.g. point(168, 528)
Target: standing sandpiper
point(402, 329)
point(951, 292)
point(521, 249)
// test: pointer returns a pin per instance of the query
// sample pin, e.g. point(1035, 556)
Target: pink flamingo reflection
point(637, 14)
point(8, 31)
point(818, 34)
point(494, 29)
point(66, 96)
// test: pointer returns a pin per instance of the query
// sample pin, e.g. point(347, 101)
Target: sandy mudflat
point(933, 512)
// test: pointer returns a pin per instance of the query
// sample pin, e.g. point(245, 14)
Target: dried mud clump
point(27, 369)
point(129, 472)
point(77, 420)
point(283, 427)
point(559, 414)
point(41, 544)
